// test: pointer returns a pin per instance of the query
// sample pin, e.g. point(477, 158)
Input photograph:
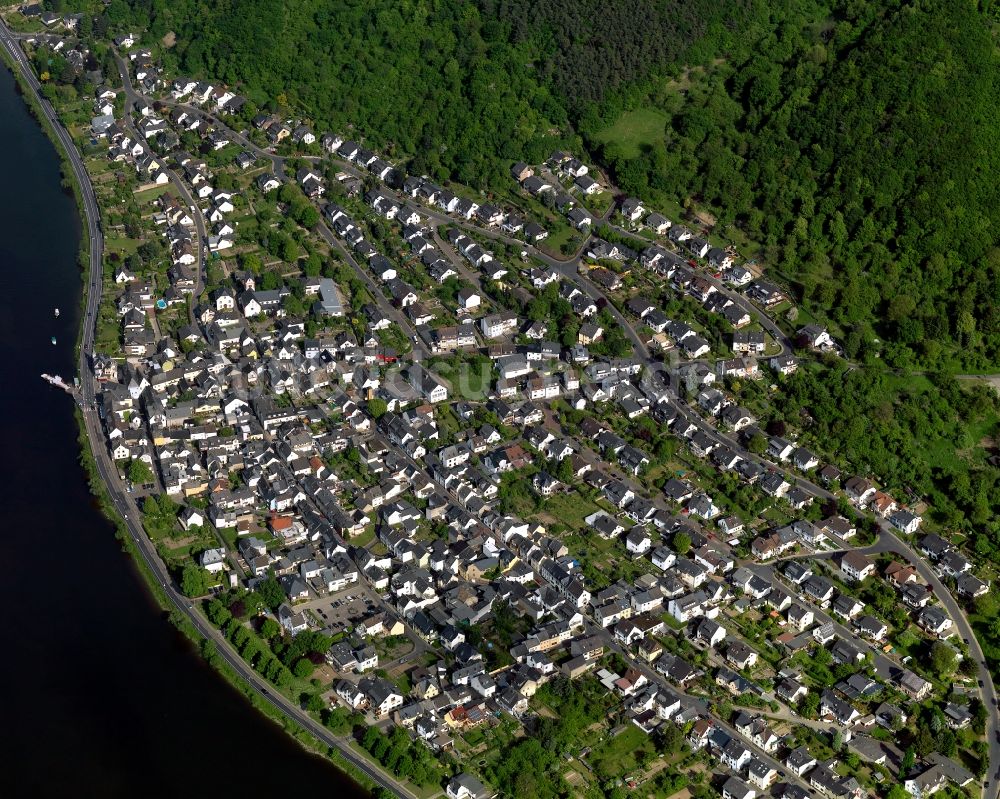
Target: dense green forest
point(462, 88)
point(860, 148)
point(922, 435)
point(421, 80)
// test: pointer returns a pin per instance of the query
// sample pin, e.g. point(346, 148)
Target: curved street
point(568, 267)
point(179, 185)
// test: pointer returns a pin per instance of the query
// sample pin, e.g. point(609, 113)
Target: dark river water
point(100, 695)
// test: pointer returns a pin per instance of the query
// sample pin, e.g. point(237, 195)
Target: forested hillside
point(588, 49)
point(419, 79)
point(463, 88)
point(862, 150)
point(856, 142)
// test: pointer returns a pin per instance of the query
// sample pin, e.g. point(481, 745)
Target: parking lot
point(342, 610)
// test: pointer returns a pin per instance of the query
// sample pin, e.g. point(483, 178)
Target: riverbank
point(70, 181)
point(204, 646)
point(100, 491)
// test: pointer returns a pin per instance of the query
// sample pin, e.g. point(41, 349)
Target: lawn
point(148, 195)
point(363, 540)
point(616, 757)
point(230, 536)
point(468, 379)
point(98, 166)
point(570, 509)
point(564, 234)
point(121, 244)
point(599, 203)
point(588, 542)
point(474, 737)
point(635, 130)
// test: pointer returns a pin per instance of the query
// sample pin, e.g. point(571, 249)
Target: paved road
point(592, 628)
point(569, 268)
point(889, 542)
point(132, 96)
point(123, 501)
point(457, 261)
point(887, 668)
point(378, 296)
point(175, 180)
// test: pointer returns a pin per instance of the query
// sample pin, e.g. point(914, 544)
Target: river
point(101, 695)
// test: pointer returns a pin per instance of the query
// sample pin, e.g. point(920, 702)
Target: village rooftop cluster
point(371, 449)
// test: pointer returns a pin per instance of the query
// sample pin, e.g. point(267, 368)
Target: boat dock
point(58, 382)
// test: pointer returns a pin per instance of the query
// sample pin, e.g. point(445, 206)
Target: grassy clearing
point(148, 195)
point(635, 130)
point(562, 235)
point(617, 756)
point(569, 509)
point(942, 449)
point(121, 244)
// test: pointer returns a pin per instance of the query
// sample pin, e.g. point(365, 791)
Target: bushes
point(218, 613)
point(251, 648)
point(303, 668)
point(848, 139)
point(409, 760)
point(194, 580)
